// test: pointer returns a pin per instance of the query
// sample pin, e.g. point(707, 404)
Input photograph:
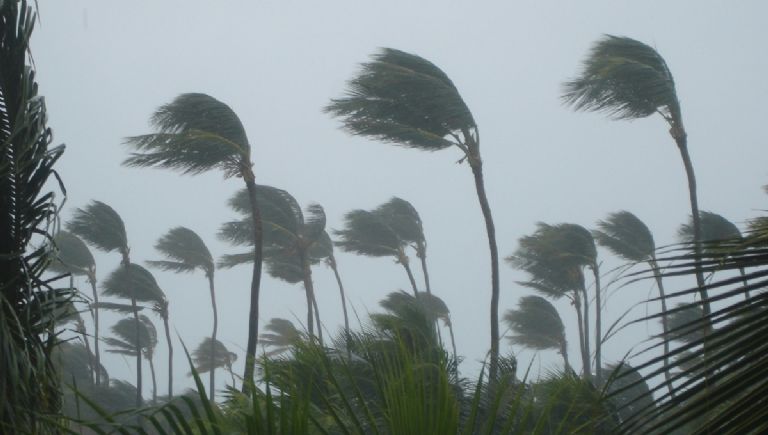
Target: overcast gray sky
point(104, 67)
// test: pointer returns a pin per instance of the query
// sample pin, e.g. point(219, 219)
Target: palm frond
point(314, 223)
point(186, 251)
point(127, 340)
point(715, 231)
point(194, 133)
point(365, 233)
point(73, 255)
point(205, 362)
point(536, 324)
point(282, 335)
point(404, 99)
point(626, 236)
point(101, 226)
point(228, 261)
point(625, 78)
point(132, 281)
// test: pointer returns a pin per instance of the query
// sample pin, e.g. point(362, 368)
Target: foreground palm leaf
point(196, 133)
point(628, 80)
point(404, 99)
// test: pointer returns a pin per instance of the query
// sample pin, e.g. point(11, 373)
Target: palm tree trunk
point(587, 347)
point(403, 259)
point(170, 355)
point(309, 288)
point(598, 326)
point(154, 380)
point(453, 346)
point(564, 353)
point(135, 308)
point(253, 314)
point(92, 281)
point(580, 322)
point(332, 264)
point(745, 282)
point(310, 317)
point(317, 318)
point(212, 381)
point(423, 257)
point(477, 170)
point(664, 322)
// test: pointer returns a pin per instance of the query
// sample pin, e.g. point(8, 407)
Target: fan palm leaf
point(406, 100)
point(196, 133)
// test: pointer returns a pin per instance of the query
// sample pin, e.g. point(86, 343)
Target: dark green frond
point(714, 228)
point(322, 248)
point(284, 266)
point(314, 223)
point(624, 78)
point(120, 308)
point(73, 255)
point(403, 218)
point(281, 217)
point(404, 99)
point(194, 133)
point(626, 236)
point(536, 324)
point(126, 339)
point(228, 261)
point(132, 281)
point(685, 323)
point(186, 250)
point(281, 337)
point(101, 226)
point(365, 233)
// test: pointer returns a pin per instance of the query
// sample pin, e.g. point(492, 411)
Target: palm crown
point(185, 251)
point(626, 236)
point(101, 226)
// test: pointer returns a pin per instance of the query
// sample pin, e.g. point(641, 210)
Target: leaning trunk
point(212, 382)
point(170, 355)
point(582, 335)
point(564, 353)
point(664, 323)
point(138, 352)
point(92, 281)
point(253, 314)
point(403, 259)
point(309, 288)
point(332, 263)
point(598, 326)
point(477, 170)
point(585, 320)
point(422, 254)
point(154, 380)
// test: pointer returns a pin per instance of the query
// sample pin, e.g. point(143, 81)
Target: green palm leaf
point(127, 340)
point(365, 233)
point(101, 226)
point(132, 281)
point(73, 255)
point(205, 361)
point(186, 251)
point(536, 324)
point(626, 236)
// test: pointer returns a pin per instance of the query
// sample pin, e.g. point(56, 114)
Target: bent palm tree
point(404, 99)
point(186, 252)
point(126, 343)
point(628, 237)
point(197, 133)
point(205, 360)
point(74, 257)
point(537, 325)
point(367, 233)
point(629, 80)
point(403, 218)
point(289, 238)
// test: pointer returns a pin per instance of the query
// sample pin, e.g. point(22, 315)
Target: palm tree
point(160, 306)
point(101, 226)
point(197, 133)
point(404, 99)
point(205, 360)
point(367, 233)
point(715, 230)
point(537, 325)
point(289, 235)
point(438, 309)
point(282, 336)
point(403, 218)
point(323, 248)
point(135, 283)
point(75, 258)
point(629, 80)
point(126, 344)
point(186, 252)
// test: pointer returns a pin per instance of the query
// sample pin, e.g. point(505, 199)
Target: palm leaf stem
point(212, 380)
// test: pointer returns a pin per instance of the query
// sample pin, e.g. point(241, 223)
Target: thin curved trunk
point(586, 368)
point(135, 309)
point(309, 288)
point(310, 317)
point(564, 353)
point(332, 264)
point(154, 380)
point(745, 282)
point(403, 259)
point(212, 381)
point(477, 170)
point(585, 317)
point(664, 322)
point(598, 326)
point(317, 319)
point(453, 346)
point(92, 281)
point(253, 313)
point(422, 254)
point(170, 355)
point(91, 359)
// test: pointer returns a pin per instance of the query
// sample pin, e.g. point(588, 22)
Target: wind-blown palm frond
point(101, 226)
point(281, 337)
point(714, 228)
point(685, 322)
point(403, 219)
point(536, 324)
point(206, 361)
point(626, 79)
point(73, 255)
point(365, 233)
point(626, 236)
point(186, 251)
point(404, 99)
point(125, 342)
point(281, 217)
point(132, 281)
point(195, 133)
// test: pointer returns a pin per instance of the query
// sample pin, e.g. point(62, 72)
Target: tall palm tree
point(186, 252)
point(402, 217)
point(367, 233)
point(196, 133)
point(282, 336)
point(75, 258)
point(537, 325)
point(404, 99)
point(101, 226)
point(289, 236)
point(205, 360)
point(629, 80)
point(628, 237)
point(715, 230)
point(136, 284)
point(125, 342)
